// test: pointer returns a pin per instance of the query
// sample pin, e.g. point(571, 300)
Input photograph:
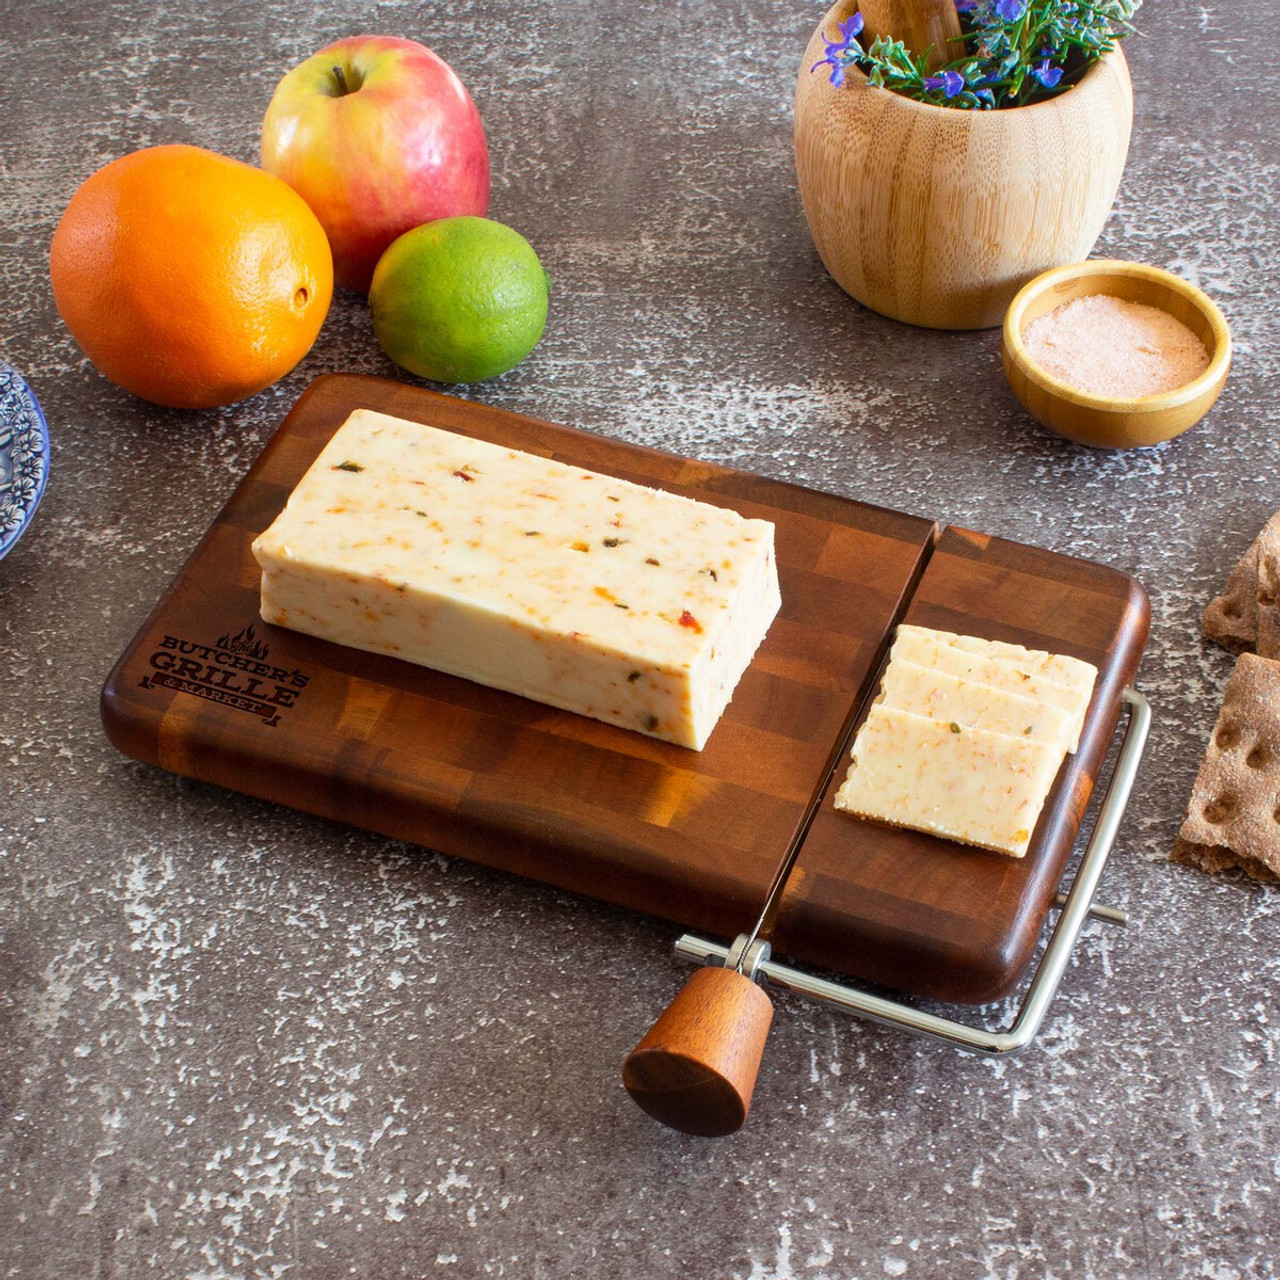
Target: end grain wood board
point(440, 761)
point(208, 690)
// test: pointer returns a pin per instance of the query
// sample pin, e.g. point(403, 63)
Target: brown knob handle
point(696, 1069)
point(920, 24)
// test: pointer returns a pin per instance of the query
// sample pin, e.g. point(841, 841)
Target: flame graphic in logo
point(245, 642)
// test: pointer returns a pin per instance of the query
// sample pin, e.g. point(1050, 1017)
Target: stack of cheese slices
point(966, 738)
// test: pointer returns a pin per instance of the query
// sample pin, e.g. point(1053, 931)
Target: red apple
point(378, 136)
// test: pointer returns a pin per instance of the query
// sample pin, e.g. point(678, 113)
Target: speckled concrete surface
point(239, 1042)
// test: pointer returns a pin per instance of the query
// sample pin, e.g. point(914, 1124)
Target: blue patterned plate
point(24, 456)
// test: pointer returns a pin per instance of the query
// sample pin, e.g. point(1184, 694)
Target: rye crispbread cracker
point(1253, 587)
point(1233, 816)
point(1268, 590)
point(1215, 857)
point(1232, 618)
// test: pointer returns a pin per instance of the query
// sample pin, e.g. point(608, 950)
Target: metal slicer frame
point(750, 955)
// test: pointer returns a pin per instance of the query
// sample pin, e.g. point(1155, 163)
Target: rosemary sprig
point(1015, 52)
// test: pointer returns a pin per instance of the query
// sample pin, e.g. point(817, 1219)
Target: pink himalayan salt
point(1113, 347)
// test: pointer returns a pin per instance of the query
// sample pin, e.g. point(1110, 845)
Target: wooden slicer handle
point(919, 24)
point(696, 1068)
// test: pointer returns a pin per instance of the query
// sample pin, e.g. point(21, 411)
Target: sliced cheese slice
point(972, 785)
point(922, 647)
point(1061, 668)
point(639, 607)
point(941, 696)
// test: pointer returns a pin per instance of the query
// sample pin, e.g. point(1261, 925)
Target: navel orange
point(189, 278)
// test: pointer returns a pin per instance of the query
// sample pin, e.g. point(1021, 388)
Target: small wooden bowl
point(1102, 421)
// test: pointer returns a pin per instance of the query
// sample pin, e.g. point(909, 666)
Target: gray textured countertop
point(236, 1041)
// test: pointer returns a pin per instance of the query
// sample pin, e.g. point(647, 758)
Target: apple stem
point(341, 77)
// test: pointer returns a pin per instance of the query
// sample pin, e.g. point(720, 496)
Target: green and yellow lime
point(459, 299)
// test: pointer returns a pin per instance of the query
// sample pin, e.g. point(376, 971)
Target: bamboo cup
point(937, 215)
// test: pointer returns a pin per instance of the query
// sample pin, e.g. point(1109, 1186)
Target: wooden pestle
point(919, 24)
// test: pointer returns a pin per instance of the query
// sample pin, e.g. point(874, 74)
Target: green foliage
point(1015, 52)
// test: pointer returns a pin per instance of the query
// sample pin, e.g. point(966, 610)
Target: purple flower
point(950, 82)
point(838, 50)
point(966, 6)
point(1046, 74)
point(1010, 10)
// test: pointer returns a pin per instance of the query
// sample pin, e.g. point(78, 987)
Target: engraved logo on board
point(233, 672)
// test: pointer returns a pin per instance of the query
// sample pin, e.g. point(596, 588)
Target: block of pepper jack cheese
point(972, 785)
point(941, 696)
point(636, 606)
point(988, 666)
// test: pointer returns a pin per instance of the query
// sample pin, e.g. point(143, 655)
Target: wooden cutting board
point(206, 689)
